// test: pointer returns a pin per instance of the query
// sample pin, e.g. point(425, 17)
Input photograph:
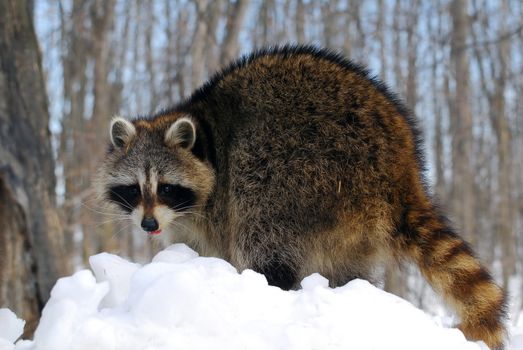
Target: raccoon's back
point(303, 128)
point(301, 80)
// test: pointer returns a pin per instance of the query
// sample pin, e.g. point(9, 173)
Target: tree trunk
point(31, 240)
point(380, 33)
point(329, 16)
point(96, 225)
point(75, 52)
point(211, 40)
point(461, 124)
point(300, 21)
point(438, 100)
point(358, 40)
point(412, 56)
point(198, 42)
point(397, 48)
point(266, 22)
point(234, 23)
point(500, 124)
point(150, 66)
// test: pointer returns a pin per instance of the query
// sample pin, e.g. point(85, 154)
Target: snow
point(12, 328)
point(183, 301)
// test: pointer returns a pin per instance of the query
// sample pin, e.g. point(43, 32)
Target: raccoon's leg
point(266, 251)
point(278, 272)
point(449, 265)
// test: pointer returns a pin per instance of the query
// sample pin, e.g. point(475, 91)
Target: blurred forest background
point(458, 64)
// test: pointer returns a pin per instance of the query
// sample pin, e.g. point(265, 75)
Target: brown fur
point(312, 166)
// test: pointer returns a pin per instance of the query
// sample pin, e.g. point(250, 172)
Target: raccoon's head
point(152, 171)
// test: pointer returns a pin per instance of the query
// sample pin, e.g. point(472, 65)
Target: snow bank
point(182, 301)
point(11, 328)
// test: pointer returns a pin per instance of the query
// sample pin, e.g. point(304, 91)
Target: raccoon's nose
point(149, 224)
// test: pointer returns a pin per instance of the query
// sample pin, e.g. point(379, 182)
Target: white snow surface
point(11, 328)
point(183, 301)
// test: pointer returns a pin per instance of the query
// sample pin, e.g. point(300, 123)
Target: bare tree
point(234, 22)
point(74, 57)
point(101, 14)
point(380, 33)
point(211, 40)
point(412, 56)
point(31, 241)
point(461, 122)
point(300, 21)
point(497, 64)
point(437, 104)
point(149, 52)
point(266, 23)
point(329, 15)
point(198, 41)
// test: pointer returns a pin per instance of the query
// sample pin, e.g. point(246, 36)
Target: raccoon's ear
point(122, 132)
point(181, 133)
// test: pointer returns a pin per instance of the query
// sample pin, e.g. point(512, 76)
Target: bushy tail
point(449, 265)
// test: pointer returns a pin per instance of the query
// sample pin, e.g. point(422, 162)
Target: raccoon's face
point(151, 172)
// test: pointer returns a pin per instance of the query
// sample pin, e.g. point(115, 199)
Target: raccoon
point(294, 160)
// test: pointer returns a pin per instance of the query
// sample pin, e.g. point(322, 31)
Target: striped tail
point(449, 265)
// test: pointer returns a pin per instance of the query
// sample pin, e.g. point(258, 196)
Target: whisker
point(189, 207)
point(105, 213)
point(196, 214)
point(125, 204)
point(185, 210)
point(95, 200)
point(102, 207)
point(180, 224)
point(179, 205)
point(125, 227)
point(113, 220)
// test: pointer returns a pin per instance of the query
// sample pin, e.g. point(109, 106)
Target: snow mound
point(183, 301)
point(10, 330)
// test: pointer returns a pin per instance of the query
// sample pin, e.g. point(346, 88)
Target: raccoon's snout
point(150, 224)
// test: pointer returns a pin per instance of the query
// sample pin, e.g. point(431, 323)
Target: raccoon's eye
point(176, 197)
point(133, 190)
point(165, 189)
point(127, 196)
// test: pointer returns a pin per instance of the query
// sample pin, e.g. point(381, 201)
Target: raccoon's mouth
point(157, 232)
